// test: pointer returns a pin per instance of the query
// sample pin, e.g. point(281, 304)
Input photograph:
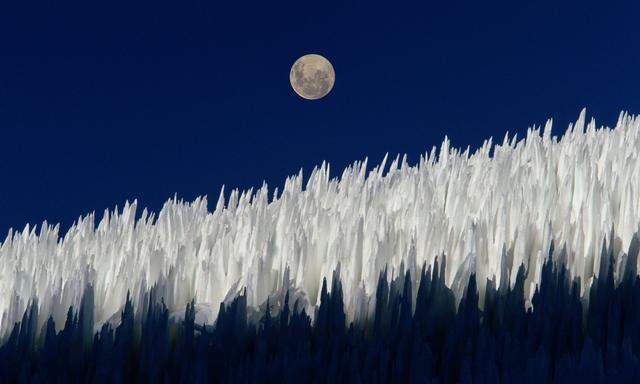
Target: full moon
point(312, 77)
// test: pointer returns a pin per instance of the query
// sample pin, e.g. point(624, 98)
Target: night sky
point(101, 102)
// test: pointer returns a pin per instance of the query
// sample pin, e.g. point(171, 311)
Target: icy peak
point(489, 212)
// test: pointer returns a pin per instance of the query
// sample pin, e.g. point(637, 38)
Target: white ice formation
point(488, 211)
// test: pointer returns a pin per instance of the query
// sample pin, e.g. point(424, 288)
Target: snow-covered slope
point(488, 212)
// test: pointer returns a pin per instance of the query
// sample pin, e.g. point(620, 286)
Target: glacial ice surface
point(488, 211)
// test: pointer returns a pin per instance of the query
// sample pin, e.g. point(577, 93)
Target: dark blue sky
point(105, 101)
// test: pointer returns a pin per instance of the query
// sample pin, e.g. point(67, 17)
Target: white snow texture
point(487, 212)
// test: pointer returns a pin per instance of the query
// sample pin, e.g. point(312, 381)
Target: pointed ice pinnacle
point(488, 212)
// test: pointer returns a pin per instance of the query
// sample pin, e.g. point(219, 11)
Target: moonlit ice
point(488, 211)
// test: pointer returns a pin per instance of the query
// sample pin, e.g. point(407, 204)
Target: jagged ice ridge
point(488, 212)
